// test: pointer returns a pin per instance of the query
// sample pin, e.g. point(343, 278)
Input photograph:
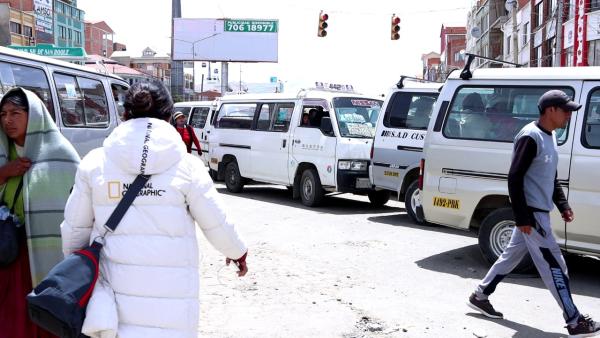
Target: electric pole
point(515, 35)
point(559, 34)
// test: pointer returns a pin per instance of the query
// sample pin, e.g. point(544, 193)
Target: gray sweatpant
point(547, 258)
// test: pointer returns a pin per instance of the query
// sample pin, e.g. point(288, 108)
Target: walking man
point(533, 188)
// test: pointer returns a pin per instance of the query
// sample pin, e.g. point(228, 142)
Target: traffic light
point(395, 28)
point(322, 24)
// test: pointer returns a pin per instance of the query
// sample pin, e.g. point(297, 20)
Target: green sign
point(51, 51)
point(251, 26)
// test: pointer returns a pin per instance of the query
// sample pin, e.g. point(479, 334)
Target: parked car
point(399, 137)
point(469, 144)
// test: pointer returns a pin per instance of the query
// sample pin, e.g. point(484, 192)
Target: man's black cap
point(557, 98)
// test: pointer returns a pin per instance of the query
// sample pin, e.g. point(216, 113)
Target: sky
point(357, 49)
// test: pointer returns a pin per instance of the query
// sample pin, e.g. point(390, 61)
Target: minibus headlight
point(344, 165)
point(358, 166)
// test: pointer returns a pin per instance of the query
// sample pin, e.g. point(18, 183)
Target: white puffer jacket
point(149, 274)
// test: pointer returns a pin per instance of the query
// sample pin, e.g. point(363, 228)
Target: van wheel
point(311, 191)
point(494, 235)
point(412, 203)
point(379, 198)
point(233, 179)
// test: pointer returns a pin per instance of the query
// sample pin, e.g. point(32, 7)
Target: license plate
point(443, 202)
point(363, 183)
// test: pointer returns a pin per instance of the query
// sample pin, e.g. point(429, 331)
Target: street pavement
point(347, 269)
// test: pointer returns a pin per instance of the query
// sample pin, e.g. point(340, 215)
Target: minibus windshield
point(356, 116)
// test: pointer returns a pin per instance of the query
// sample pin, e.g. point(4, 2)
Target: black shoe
point(585, 327)
point(484, 306)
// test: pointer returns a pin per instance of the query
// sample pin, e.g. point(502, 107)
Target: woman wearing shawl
point(32, 150)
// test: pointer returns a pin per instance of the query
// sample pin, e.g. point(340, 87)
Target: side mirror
point(326, 126)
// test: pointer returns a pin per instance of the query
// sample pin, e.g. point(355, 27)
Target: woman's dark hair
point(148, 99)
point(16, 97)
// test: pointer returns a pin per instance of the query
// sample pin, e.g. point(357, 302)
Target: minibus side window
point(591, 126)
point(119, 96)
point(409, 110)
point(82, 101)
point(236, 115)
point(95, 104)
point(33, 79)
point(282, 117)
point(198, 118)
point(496, 113)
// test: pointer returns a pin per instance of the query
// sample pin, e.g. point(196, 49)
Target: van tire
point(411, 197)
point(311, 191)
point(494, 235)
point(233, 179)
point(379, 198)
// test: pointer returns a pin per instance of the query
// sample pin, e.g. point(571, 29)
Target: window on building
point(28, 31)
point(70, 34)
point(33, 79)
point(539, 14)
point(16, 28)
point(495, 113)
point(594, 53)
point(537, 56)
point(508, 45)
point(62, 32)
point(525, 34)
point(77, 37)
point(594, 5)
point(569, 57)
point(552, 8)
point(551, 48)
point(60, 7)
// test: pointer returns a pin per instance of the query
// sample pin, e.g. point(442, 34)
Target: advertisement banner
point(580, 43)
point(43, 15)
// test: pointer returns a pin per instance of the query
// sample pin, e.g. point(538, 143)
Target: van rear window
point(236, 115)
point(409, 110)
point(496, 113)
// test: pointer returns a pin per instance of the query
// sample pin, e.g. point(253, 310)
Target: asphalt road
point(347, 269)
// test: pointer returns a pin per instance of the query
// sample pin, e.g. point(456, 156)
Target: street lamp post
point(193, 43)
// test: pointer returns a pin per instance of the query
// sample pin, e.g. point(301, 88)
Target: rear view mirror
point(326, 126)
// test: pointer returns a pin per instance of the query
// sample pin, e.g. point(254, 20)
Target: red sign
point(580, 45)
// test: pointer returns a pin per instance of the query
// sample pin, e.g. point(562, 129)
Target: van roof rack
point(466, 72)
point(400, 83)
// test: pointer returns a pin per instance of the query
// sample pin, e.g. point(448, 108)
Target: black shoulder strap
point(17, 193)
point(130, 195)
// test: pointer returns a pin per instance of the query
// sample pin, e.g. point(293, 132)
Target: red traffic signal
point(322, 32)
point(395, 28)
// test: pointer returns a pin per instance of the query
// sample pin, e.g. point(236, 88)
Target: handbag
point(59, 302)
point(9, 232)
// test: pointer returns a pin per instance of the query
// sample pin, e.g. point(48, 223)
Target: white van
point(86, 105)
point(315, 142)
point(469, 144)
point(399, 138)
point(199, 114)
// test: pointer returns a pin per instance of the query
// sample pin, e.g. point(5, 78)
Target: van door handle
point(284, 142)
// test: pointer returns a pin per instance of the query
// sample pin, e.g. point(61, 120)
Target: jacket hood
point(145, 146)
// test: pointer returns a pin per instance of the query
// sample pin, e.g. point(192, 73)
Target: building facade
point(453, 41)
point(99, 38)
point(522, 46)
point(484, 31)
point(17, 27)
point(69, 27)
point(431, 66)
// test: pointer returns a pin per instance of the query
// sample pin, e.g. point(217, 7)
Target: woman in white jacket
point(149, 272)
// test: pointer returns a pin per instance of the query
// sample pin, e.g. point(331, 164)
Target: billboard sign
point(233, 40)
point(43, 20)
